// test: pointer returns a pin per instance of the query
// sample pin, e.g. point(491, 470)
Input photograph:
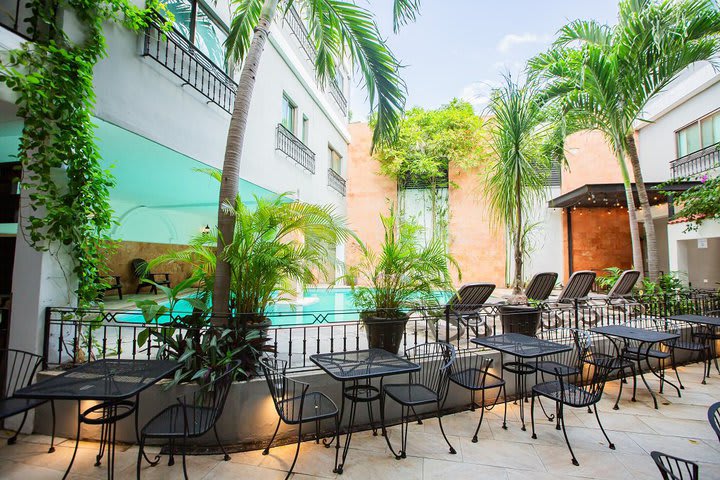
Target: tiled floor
point(679, 427)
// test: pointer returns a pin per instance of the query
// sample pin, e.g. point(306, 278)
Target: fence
point(73, 336)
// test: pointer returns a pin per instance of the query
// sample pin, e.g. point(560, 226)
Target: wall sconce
point(206, 230)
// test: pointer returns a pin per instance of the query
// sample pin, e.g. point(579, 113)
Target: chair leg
point(226, 457)
point(610, 444)
point(567, 441)
point(677, 374)
point(297, 451)
point(52, 437)
point(171, 460)
point(532, 416)
point(13, 439)
point(634, 374)
point(482, 414)
point(277, 427)
point(504, 425)
point(184, 463)
point(621, 374)
point(141, 447)
point(442, 430)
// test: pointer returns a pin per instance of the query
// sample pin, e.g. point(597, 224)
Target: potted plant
point(401, 275)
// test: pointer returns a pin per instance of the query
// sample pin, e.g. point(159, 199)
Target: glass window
point(182, 11)
point(202, 31)
point(288, 113)
point(335, 161)
point(305, 129)
point(710, 127)
point(688, 140)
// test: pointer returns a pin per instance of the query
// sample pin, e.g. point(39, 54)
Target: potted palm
point(402, 275)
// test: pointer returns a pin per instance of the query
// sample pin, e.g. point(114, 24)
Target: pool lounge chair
point(541, 286)
point(462, 311)
point(140, 270)
point(560, 310)
point(619, 300)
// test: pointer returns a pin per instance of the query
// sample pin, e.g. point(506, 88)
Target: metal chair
point(675, 468)
point(472, 372)
point(710, 335)
point(584, 393)
point(141, 272)
point(714, 418)
point(541, 286)
point(193, 415)
point(295, 405)
point(567, 363)
point(463, 311)
point(20, 367)
point(575, 291)
point(427, 386)
point(688, 341)
point(606, 350)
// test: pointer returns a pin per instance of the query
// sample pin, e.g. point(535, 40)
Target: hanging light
point(206, 230)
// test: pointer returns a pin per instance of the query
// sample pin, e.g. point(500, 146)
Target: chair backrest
point(578, 286)
point(139, 267)
point(578, 339)
point(435, 360)
point(470, 370)
point(625, 284)
point(288, 395)
point(602, 348)
point(714, 418)
point(20, 367)
point(541, 286)
point(469, 298)
point(674, 468)
point(203, 407)
point(592, 378)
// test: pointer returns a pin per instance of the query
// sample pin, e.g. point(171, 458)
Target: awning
point(613, 194)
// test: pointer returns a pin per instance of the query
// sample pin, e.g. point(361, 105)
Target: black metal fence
point(696, 163)
point(15, 15)
point(294, 148)
point(73, 336)
point(337, 182)
point(171, 50)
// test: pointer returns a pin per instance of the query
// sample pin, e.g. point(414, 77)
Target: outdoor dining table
point(355, 370)
point(109, 382)
point(523, 348)
point(707, 321)
point(645, 339)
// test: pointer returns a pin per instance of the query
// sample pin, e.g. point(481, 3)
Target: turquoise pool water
point(318, 305)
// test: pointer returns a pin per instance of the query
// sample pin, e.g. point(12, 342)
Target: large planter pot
point(383, 331)
point(520, 319)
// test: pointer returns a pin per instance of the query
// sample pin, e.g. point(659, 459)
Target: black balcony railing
point(178, 55)
point(294, 148)
point(338, 96)
point(696, 163)
point(14, 15)
point(297, 27)
point(337, 182)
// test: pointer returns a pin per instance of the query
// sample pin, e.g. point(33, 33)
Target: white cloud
point(511, 40)
point(478, 94)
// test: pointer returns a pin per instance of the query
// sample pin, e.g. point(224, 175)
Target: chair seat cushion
point(569, 394)
point(556, 368)
point(316, 406)
point(171, 422)
point(411, 393)
point(12, 406)
point(472, 378)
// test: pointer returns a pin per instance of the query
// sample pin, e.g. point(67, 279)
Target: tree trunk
point(233, 150)
point(650, 239)
point(518, 240)
point(632, 217)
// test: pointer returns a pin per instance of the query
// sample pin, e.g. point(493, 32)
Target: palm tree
point(336, 28)
point(621, 69)
point(517, 177)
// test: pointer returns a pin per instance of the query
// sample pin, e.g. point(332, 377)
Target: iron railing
point(73, 336)
point(338, 96)
point(16, 17)
point(337, 182)
point(696, 163)
point(294, 148)
point(297, 27)
point(174, 52)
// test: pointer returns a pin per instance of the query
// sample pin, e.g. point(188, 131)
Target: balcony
point(338, 96)
point(695, 163)
point(337, 182)
point(294, 148)
point(174, 52)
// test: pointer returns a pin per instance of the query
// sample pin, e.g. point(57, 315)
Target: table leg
point(642, 375)
point(660, 377)
point(77, 442)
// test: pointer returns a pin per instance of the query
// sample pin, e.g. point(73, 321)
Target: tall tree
point(337, 29)
point(651, 44)
point(517, 176)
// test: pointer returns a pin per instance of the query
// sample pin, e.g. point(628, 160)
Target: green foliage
point(610, 278)
point(403, 274)
point(699, 203)
point(430, 140)
point(52, 77)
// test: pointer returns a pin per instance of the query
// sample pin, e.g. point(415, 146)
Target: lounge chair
point(619, 301)
point(560, 310)
point(140, 270)
point(463, 311)
point(113, 282)
point(541, 286)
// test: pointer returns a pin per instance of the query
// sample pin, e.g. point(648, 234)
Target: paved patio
point(679, 427)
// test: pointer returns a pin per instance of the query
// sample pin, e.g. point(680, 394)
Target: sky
point(460, 48)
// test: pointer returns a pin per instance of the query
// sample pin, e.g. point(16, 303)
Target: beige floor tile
point(443, 470)
point(427, 445)
point(462, 424)
point(690, 448)
point(234, 471)
point(680, 428)
point(499, 453)
point(313, 459)
point(593, 463)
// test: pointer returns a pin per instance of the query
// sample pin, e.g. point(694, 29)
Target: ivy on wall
point(53, 78)
point(699, 203)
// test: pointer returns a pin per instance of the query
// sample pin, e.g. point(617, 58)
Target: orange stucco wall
point(590, 161)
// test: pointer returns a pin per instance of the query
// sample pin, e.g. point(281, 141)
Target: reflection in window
point(698, 135)
point(201, 30)
point(335, 161)
point(288, 113)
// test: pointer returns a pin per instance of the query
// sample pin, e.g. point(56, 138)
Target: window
point(335, 161)
point(305, 129)
point(288, 113)
point(199, 25)
point(698, 135)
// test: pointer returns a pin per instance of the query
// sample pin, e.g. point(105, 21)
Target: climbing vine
point(699, 203)
point(52, 75)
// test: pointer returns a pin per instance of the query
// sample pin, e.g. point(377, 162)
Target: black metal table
point(110, 382)
point(645, 339)
point(522, 347)
point(357, 369)
point(711, 323)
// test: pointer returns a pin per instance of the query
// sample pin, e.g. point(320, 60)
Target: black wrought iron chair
point(714, 418)
point(609, 351)
point(471, 371)
point(567, 363)
point(585, 392)
point(141, 272)
point(193, 415)
point(113, 283)
point(710, 335)
point(427, 386)
point(541, 286)
point(575, 291)
point(688, 341)
point(295, 405)
point(675, 468)
point(20, 367)
point(463, 311)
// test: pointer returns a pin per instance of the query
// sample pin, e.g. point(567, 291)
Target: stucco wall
point(590, 161)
